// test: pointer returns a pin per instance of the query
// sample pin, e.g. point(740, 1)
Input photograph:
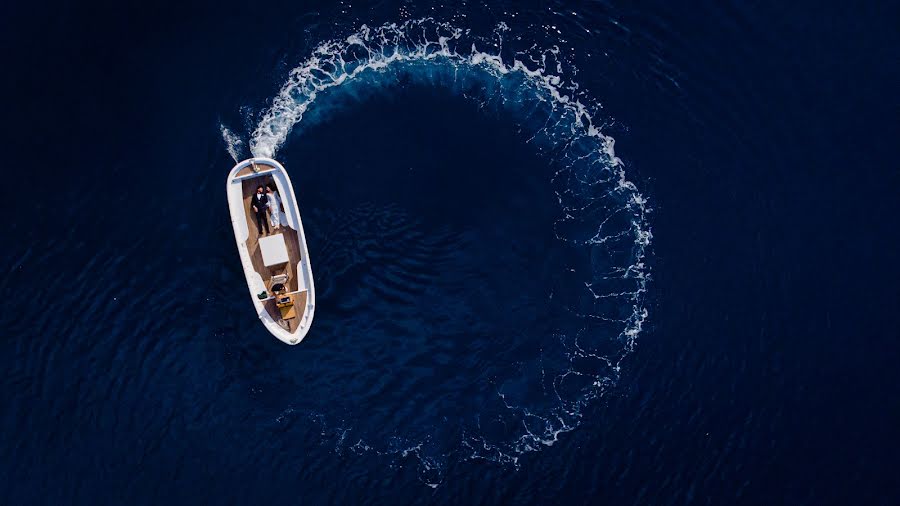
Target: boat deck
point(292, 243)
point(246, 171)
point(294, 323)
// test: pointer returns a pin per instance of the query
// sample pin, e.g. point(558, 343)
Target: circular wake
point(597, 299)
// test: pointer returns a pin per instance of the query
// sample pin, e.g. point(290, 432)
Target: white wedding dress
point(276, 217)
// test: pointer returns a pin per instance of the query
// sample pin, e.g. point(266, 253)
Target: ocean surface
point(564, 253)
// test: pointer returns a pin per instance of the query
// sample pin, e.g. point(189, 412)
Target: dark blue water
point(509, 311)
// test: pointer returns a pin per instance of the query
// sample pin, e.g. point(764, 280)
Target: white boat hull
point(289, 327)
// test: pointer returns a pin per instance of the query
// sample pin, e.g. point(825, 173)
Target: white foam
point(233, 143)
point(596, 168)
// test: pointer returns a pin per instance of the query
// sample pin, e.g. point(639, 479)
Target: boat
point(276, 264)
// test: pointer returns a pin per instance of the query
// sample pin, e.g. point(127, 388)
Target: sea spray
point(233, 143)
point(601, 212)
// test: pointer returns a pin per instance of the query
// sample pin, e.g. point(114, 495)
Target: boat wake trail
point(598, 303)
point(233, 143)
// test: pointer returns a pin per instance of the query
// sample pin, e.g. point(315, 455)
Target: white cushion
point(274, 250)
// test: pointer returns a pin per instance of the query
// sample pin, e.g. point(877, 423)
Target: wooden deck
point(292, 242)
point(294, 323)
point(246, 171)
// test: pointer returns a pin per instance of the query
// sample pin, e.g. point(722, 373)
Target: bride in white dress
point(276, 217)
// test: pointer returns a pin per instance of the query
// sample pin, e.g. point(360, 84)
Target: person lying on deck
point(259, 203)
point(275, 214)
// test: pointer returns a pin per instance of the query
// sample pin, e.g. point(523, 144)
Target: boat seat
point(277, 282)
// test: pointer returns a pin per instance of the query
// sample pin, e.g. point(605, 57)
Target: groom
point(259, 202)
